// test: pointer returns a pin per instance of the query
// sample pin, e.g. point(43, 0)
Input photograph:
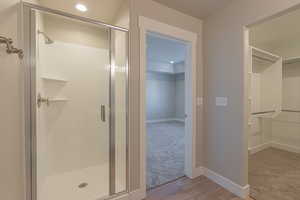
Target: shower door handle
point(103, 113)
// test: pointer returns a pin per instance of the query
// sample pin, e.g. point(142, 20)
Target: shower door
point(78, 95)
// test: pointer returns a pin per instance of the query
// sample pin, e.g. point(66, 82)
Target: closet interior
point(265, 93)
point(274, 108)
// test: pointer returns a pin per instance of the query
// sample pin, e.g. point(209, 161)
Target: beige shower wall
point(163, 14)
point(225, 75)
point(73, 31)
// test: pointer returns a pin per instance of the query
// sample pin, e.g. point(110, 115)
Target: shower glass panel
point(80, 87)
point(119, 97)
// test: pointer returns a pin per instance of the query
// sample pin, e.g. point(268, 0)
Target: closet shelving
point(54, 79)
point(262, 55)
point(265, 69)
point(291, 60)
point(58, 99)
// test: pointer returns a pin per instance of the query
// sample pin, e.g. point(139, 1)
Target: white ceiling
point(280, 32)
point(195, 8)
point(162, 50)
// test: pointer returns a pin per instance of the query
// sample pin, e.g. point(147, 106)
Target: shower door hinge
point(41, 100)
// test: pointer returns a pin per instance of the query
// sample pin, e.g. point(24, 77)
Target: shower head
point(47, 39)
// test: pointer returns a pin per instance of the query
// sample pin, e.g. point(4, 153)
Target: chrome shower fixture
point(47, 39)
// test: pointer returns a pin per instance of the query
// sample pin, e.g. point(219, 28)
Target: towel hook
point(10, 49)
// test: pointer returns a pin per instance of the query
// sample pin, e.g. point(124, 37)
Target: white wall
point(160, 96)
point(165, 96)
point(225, 76)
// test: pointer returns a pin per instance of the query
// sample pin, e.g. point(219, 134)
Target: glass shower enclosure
point(76, 106)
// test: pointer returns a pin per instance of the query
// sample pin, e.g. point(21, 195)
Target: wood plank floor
point(184, 188)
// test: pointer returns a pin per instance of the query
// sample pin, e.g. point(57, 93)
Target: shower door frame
point(28, 38)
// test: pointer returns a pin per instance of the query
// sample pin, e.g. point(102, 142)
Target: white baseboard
point(134, 195)
point(179, 120)
point(165, 120)
point(259, 148)
point(122, 197)
point(275, 145)
point(240, 191)
point(199, 171)
point(138, 194)
point(286, 147)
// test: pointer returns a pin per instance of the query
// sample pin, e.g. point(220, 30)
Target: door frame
point(27, 35)
point(146, 26)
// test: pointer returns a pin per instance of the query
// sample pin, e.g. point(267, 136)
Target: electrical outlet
point(221, 101)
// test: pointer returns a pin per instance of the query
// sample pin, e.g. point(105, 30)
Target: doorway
point(165, 109)
point(164, 32)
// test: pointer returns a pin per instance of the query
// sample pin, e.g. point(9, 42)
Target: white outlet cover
point(221, 101)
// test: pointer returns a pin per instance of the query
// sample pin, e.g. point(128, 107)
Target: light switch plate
point(221, 101)
point(199, 101)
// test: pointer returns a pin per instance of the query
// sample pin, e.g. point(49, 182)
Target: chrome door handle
point(103, 113)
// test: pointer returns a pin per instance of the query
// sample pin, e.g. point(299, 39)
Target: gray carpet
point(274, 175)
point(165, 152)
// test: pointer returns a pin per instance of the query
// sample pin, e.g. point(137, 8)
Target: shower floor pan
point(89, 184)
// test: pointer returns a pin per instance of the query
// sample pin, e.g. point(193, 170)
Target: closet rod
point(293, 111)
point(291, 61)
point(264, 112)
point(262, 58)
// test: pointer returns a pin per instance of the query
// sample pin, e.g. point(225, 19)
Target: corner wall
point(226, 127)
point(11, 142)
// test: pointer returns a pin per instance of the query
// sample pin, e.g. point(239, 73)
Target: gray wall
point(160, 96)
point(225, 76)
point(165, 96)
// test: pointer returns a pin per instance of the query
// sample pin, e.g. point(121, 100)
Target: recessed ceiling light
point(172, 62)
point(81, 7)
